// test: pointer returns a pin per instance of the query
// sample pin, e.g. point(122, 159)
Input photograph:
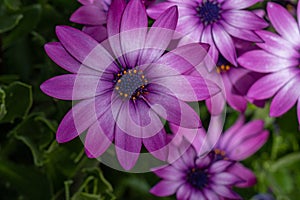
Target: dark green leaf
point(9, 22)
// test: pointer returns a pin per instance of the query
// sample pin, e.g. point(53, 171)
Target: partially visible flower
point(194, 177)
point(237, 143)
point(215, 22)
point(124, 88)
point(93, 15)
point(265, 196)
point(279, 57)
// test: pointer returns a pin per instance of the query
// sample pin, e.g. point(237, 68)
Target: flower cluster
point(128, 81)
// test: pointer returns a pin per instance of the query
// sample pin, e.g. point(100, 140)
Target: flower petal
point(244, 173)
point(246, 19)
point(159, 35)
point(157, 144)
point(238, 4)
point(171, 108)
point(268, 85)
point(286, 98)
point(225, 191)
point(220, 166)
point(283, 23)
point(210, 194)
point(133, 33)
point(225, 178)
point(276, 45)
point(74, 87)
point(155, 10)
point(196, 195)
point(89, 15)
point(62, 58)
point(224, 43)
point(114, 16)
point(184, 191)
point(169, 173)
point(99, 33)
point(211, 60)
point(96, 141)
point(261, 61)
point(165, 188)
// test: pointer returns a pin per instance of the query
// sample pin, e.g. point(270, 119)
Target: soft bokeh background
point(34, 166)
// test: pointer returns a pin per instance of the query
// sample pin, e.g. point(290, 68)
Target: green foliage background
point(34, 166)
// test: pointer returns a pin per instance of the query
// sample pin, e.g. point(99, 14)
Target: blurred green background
point(34, 166)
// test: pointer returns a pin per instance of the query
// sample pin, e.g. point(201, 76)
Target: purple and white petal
point(89, 15)
point(244, 173)
point(166, 188)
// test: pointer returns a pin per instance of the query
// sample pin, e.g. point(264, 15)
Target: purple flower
point(193, 177)
point(279, 57)
point(93, 15)
point(125, 86)
point(237, 143)
point(215, 22)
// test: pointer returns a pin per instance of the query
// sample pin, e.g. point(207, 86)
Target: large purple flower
point(193, 177)
point(237, 143)
point(279, 57)
point(127, 83)
point(215, 22)
point(93, 15)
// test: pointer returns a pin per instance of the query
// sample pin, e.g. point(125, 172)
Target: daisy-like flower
point(215, 22)
point(279, 57)
point(193, 177)
point(237, 143)
point(93, 15)
point(125, 86)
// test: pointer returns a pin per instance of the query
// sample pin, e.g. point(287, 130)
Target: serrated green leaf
point(13, 4)
point(2, 104)
point(31, 17)
point(9, 22)
point(18, 101)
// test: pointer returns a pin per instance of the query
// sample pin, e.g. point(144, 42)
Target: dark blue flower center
point(131, 83)
point(219, 155)
point(197, 178)
point(223, 65)
point(209, 11)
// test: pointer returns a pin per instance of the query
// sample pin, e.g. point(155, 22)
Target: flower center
point(197, 178)
point(131, 83)
point(209, 11)
point(223, 65)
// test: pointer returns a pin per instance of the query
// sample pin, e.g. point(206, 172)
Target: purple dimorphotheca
point(212, 175)
point(126, 83)
point(279, 57)
point(93, 15)
point(215, 22)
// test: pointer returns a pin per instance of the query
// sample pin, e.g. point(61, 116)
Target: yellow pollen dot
point(125, 95)
point(124, 72)
point(227, 67)
point(133, 98)
point(121, 93)
point(117, 88)
point(223, 153)
point(143, 76)
point(222, 67)
point(119, 81)
point(134, 71)
point(217, 151)
point(218, 70)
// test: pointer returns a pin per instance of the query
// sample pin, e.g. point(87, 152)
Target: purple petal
point(298, 13)
point(244, 173)
point(171, 108)
point(213, 51)
point(96, 141)
point(196, 195)
point(246, 19)
point(160, 35)
point(241, 33)
point(154, 11)
point(74, 87)
point(170, 173)
point(89, 15)
point(261, 61)
point(268, 85)
point(286, 98)
point(216, 103)
point(127, 148)
point(184, 191)
point(99, 33)
point(298, 111)
point(225, 178)
point(224, 43)
point(225, 191)
point(184, 58)
point(192, 37)
point(210, 194)
point(284, 23)
point(114, 17)
point(134, 25)
point(238, 4)
point(220, 166)
point(188, 88)
point(249, 146)
point(165, 188)
point(62, 58)
point(157, 144)
point(276, 45)
point(77, 120)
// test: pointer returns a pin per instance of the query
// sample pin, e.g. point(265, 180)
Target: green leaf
point(2, 104)
point(286, 161)
point(13, 4)
point(9, 22)
point(31, 17)
point(18, 101)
